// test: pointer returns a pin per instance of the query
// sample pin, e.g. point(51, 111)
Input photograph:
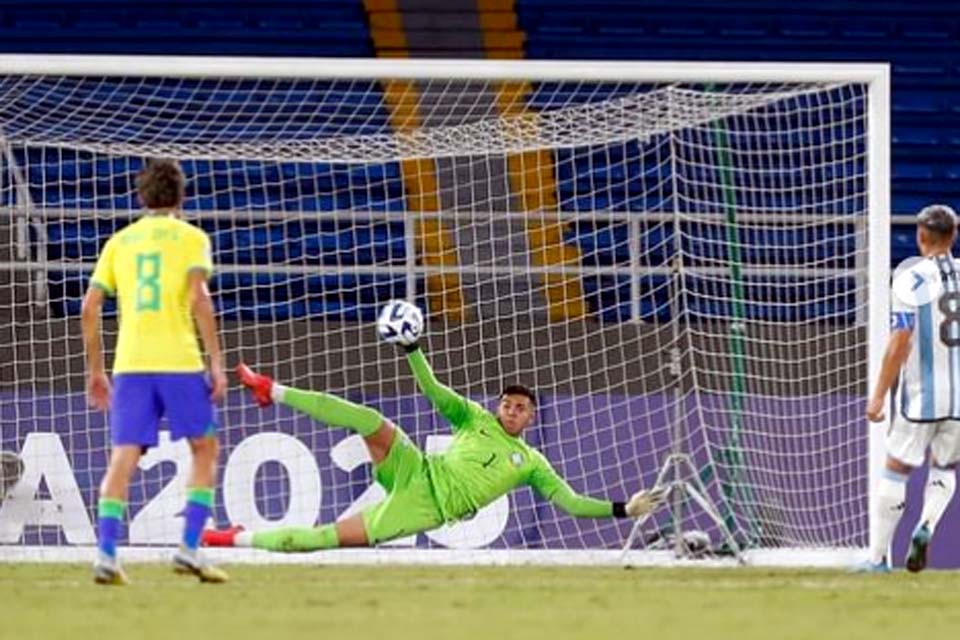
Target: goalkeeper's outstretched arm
point(449, 403)
point(552, 487)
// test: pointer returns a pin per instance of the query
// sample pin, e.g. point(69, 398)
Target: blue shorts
point(140, 400)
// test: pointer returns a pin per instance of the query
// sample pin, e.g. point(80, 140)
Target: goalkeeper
point(486, 460)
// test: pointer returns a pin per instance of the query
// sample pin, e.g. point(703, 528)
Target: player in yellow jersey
point(158, 269)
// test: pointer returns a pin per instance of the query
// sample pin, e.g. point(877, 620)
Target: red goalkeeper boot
point(220, 537)
point(258, 384)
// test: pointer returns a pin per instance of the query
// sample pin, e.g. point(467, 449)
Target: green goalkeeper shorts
point(409, 507)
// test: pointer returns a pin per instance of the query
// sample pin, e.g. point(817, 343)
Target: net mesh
point(675, 268)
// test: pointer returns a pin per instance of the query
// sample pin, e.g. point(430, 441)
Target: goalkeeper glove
point(644, 501)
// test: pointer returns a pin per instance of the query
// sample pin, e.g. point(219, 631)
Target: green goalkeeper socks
point(297, 539)
point(333, 410)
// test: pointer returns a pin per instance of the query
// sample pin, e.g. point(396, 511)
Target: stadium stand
point(918, 38)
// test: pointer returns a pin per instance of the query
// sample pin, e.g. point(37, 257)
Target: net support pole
point(734, 490)
point(634, 239)
point(685, 485)
point(23, 208)
point(679, 473)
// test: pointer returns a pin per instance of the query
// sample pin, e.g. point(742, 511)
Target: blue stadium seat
point(799, 28)
point(288, 28)
point(859, 28)
point(600, 243)
point(926, 30)
point(273, 297)
point(736, 27)
point(914, 36)
point(280, 23)
point(66, 289)
point(608, 298)
point(919, 72)
point(37, 20)
point(904, 172)
point(158, 25)
point(903, 243)
point(925, 139)
point(683, 26)
point(773, 299)
point(96, 22)
point(79, 240)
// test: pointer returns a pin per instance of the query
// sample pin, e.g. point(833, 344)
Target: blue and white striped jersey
point(930, 379)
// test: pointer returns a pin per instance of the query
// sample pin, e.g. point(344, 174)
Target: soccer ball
point(400, 323)
point(697, 543)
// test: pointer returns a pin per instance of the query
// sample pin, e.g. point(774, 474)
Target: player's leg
point(377, 431)
point(134, 417)
point(906, 446)
point(404, 512)
point(343, 533)
point(409, 508)
point(889, 504)
point(110, 511)
point(941, 485)
point(186, 399)
point(942, 480)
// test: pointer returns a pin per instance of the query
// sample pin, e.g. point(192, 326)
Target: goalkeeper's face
point(515, 412)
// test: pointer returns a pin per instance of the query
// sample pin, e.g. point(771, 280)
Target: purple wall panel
point(817, 498)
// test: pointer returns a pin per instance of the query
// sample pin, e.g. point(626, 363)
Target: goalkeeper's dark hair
point(519, 390)
point(161, 184)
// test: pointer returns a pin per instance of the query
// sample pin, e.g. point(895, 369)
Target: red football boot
point(258, 384)
point(220, 537)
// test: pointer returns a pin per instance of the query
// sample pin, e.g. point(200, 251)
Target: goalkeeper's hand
point(644, 501)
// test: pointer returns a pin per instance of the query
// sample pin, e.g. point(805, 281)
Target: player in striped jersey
point(924, 350)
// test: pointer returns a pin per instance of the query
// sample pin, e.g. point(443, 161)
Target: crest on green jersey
point(516, 458)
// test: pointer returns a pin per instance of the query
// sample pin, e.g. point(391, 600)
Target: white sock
point(277, 391)
point(243, 539)
point(888, 508)
point(941, 483)
point(187, 551)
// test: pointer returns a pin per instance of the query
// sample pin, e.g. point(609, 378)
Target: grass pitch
point(467, 603)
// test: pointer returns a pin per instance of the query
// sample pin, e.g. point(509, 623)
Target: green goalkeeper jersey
point(484, 462)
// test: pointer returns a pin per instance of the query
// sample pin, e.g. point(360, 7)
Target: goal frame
point(875, 76)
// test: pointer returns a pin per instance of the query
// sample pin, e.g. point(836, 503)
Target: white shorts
point(908, 441)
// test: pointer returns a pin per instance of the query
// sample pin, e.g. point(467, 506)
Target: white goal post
point(688, 261)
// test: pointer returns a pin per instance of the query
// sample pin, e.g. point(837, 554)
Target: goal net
point(678, 263)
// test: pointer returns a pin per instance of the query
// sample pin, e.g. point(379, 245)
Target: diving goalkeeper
point(486, 460)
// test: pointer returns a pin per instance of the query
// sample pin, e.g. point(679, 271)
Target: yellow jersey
point(146, 266)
